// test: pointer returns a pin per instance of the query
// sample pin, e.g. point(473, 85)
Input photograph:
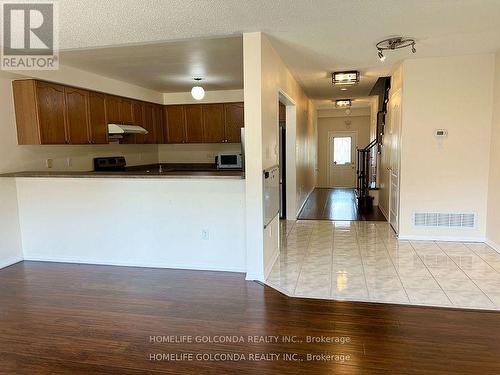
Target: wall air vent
point(444, 220)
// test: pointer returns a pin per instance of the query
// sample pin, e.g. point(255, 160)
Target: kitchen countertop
point(181, 170)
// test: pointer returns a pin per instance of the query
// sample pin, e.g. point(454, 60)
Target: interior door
point(342, 160)
point(394, 177)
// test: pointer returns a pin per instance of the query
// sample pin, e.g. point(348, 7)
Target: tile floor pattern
point(364, 261)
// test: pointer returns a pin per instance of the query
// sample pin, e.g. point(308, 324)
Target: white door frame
point(394, 219)
point(291, 140)
point(329, 160)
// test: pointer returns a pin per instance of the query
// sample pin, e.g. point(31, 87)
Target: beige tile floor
point(364, 261)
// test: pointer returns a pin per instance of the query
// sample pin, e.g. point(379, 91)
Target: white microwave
point(229, 161)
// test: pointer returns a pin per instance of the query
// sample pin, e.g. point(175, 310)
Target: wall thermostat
point(441, 133)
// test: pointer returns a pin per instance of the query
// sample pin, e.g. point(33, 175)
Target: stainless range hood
point(121, 129)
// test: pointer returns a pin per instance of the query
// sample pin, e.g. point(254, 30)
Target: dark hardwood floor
point(336, 204)
point(84, 319)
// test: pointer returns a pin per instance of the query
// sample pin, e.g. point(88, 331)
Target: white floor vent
point(444, 220)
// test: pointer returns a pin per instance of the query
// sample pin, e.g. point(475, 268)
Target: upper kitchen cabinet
point(149, 124)
point(194, 123)
point(175, 124)
point(126, 111)
point(40, 112)
point(77, 116)
point(213, 123)
point(158, 123)
point(138, 119)
point(113, 109)
point(234, 121)
point(97, 118)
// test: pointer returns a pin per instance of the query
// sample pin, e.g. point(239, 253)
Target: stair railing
point(366, 170)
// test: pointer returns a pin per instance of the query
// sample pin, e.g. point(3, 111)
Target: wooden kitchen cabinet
point(175, 124)
point(40, 112)
point(113, 109)
point(234, 121)
point(126, 111)
point(158, 123)
point(213, 123)
point(148, 115)
point(137, 119)
point(194, 123)
point(97, 118)
point(49, 113)
point(77, 116)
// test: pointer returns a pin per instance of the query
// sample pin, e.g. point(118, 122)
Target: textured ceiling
point(314, 37)
point(167, 67)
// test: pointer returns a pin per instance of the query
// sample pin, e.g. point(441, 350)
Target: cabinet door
point(97, 118)
point(158, 123)
point(213, 123)
point(176, 124)
point(51, 113)
point(113, 107)
point(234, 121)
point(77, 116)
point(126, 111)
point(149, 123)
point(194, 123)
point(138, 119)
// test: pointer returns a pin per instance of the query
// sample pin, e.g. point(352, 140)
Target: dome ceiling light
point(392, 44)
point(198, 92)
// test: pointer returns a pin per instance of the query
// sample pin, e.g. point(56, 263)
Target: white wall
point(150, 223)
point(359, 124)
point(265, 77)
point(493, 229)
point(453, 93)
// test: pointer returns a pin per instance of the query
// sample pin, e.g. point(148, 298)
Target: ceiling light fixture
point(345, 78)
point(343, 103)
point(197, 92)
point(392, 44)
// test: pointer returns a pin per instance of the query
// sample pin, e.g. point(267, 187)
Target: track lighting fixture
point(392, 44)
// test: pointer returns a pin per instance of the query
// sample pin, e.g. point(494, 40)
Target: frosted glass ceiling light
point(198, 92)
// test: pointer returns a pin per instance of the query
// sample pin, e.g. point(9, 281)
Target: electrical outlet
point(69, 162)
point(205, 235)
point(49, 163)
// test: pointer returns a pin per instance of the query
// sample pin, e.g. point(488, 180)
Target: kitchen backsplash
point(194, 153)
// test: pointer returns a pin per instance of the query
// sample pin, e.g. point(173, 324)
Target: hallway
point(336, 204)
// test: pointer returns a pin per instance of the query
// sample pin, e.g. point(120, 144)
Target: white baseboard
point(255, 277)
point(383, 212)
point(10, 261)
point(269, 267)
point(441, 238)
point(102, 262)
point(493, 245)
point(303, 203)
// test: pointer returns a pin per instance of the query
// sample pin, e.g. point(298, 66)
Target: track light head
point(381, 55)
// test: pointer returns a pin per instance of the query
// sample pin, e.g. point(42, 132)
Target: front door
point(342, 160)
